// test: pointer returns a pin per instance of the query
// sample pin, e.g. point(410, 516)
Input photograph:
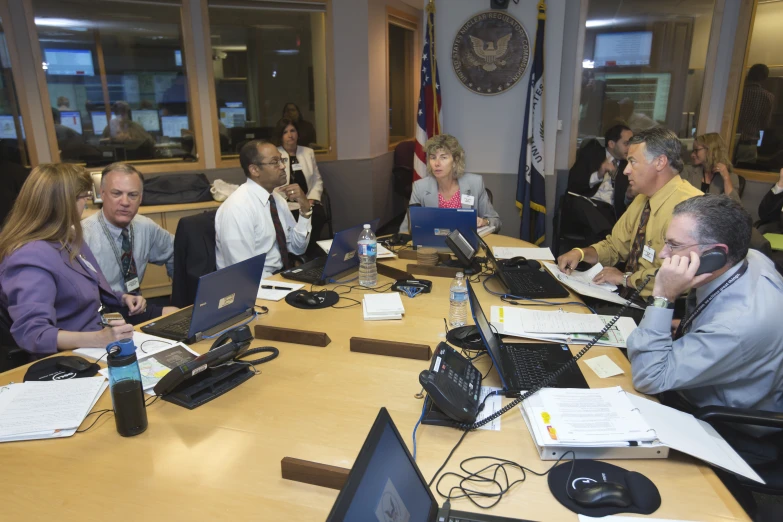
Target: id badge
point(296, 166)
point(132, 284)
point(468, 200)
point(648, 253)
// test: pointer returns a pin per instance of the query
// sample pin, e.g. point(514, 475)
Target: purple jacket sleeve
point(30, 290)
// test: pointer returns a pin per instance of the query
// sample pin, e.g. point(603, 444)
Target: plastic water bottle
point(458, 301)
point(368, 253)
point(127, 394)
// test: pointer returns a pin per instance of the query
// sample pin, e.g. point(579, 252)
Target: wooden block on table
point(290, 335)
point(313, 473)
point(420, 352)
point(394, 273)
point(435, 271)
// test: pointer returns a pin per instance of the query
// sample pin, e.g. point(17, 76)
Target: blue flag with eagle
point(531, 191)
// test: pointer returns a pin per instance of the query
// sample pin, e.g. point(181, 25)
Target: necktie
point(279, 233)
point(638, 245)
point(126, 260)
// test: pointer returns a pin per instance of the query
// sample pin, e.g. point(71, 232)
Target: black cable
point(263, 349)
point(141, 346)
point(429, 484)
point(102, 413)
point(496, 467)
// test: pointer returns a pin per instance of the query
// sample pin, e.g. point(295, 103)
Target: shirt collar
point(258, 191)
point(114, 230)
point(664, 193)
point(703, 291)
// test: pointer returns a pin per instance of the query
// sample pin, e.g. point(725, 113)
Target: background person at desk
point(50, 283)
point(728, 350)
point(710, 168)
point(255, 219)
point(123, 241)
point(637, 238)
point(302, 170)
point(449, 186)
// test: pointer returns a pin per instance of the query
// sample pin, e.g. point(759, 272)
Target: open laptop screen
point(491, 341)
point(384, 483)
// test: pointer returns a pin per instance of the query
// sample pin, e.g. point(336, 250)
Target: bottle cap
point(367, 226)
point(121, 348)
point(460, 274)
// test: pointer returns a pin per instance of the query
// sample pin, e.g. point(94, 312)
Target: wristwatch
point(625, 278)
point(660, 302)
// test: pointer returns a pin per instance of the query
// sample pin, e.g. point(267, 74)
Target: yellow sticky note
point(552, 432)
point(545, 416)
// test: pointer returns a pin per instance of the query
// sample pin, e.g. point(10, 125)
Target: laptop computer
point(341, 258)
point(223, 298)
point(386, 484)
point(522, 366)
point(524, 281)
point(430, 226)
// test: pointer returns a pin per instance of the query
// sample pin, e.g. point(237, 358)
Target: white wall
point(490, 127)
point(765, 43)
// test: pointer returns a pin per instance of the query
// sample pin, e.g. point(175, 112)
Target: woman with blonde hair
point(710, 169)
point(51, 287)
point(449, 186)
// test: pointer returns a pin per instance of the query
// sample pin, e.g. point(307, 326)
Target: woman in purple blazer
point(51, 286)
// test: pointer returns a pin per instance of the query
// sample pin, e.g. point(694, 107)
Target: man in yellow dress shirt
point(654, 166)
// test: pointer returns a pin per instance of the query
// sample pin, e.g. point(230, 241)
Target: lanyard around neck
point(112, 242)
point(685, 323)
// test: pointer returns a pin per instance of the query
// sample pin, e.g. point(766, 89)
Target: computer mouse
point(72, 364)
point(603, 494)
point(522, 262)
point(306, 298)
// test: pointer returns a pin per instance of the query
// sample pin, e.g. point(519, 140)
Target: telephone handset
point(711, 260)
point(453, 384)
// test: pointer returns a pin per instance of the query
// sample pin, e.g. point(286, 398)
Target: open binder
point(670, 428)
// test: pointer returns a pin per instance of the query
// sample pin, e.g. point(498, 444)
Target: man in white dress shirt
point(255, 219)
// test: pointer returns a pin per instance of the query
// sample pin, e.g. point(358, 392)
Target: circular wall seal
point(490, 52)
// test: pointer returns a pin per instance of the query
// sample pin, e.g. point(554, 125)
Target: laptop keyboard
point(529, 366)
point(527, 284)
point(181, 325)
point(314, 273)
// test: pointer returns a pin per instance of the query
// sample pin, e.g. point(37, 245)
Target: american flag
point(428, 116)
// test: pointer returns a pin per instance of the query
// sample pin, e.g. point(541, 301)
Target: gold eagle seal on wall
point(491, 52)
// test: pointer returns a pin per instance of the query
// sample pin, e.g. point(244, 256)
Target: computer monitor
point(233, 116)
point(623, 49)
point(99, 121)
point(69, 62)
point(7, 129)
point(173, 125)
point(147, 118)
point(72, 120)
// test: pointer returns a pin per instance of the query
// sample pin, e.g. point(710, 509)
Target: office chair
point(741, 188)
point(489, 195)
point(766, 453)
point(326, 201)
point(194, 256)
point(402, 171)
point(567, 233)
point(11, 355)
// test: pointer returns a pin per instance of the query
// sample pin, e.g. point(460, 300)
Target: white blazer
point(306, 158)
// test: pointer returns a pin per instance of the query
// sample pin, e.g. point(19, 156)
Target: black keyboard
point(181, 325)
point(524, 283)
point(529, 366)
point(313, 273)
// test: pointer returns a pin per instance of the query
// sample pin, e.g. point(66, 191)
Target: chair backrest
point(11, 355)
point(403, 168)
point(741, 188)
point(326, 202)
point(194, 256)
point(489, 195)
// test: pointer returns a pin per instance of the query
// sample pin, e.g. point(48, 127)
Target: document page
point(46, 406)
point(543, 254)
point(539, 321)
point(589, 416)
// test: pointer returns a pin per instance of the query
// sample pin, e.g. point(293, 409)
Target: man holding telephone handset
point(727, 350)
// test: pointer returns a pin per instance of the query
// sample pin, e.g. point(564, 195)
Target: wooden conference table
point(221, 461)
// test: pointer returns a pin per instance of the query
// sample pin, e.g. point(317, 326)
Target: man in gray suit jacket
point(448, 186)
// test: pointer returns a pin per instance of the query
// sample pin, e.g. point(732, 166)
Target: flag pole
point(431, 28)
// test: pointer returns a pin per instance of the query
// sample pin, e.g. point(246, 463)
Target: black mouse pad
point(48, 370)
point(326, 298)
point(643, 493)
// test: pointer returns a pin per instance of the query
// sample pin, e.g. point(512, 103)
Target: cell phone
point(111, 316)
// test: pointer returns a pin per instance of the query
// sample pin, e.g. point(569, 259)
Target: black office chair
point(194, 256)
point(489, 195)
point(402, 171)
point(764, 455)
point(11, 356)
point(741, 188)
point(326, 202)
point(567, 234)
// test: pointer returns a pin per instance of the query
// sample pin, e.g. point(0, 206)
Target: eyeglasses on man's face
point(673, 246)
point(274, 162)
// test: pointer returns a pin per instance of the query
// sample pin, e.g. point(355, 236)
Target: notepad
point(46, 409)
point(378, 307)
point(543, 254)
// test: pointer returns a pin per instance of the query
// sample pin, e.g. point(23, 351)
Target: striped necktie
point(636, 249)
point(279, 233)
point(126, 259)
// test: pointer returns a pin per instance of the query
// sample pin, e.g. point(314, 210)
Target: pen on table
point(270, 287)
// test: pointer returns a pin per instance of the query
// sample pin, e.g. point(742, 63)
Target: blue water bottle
point(127, 393)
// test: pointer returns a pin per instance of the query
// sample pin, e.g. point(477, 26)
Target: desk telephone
point(453, 383)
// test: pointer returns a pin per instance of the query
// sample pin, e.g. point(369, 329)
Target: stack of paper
point(46, 409)
point(543, 254)
point(485, 230)
point(379, 307)
point(560, 327)
point(582, 283)
point(157, 362)
point(585, 417)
